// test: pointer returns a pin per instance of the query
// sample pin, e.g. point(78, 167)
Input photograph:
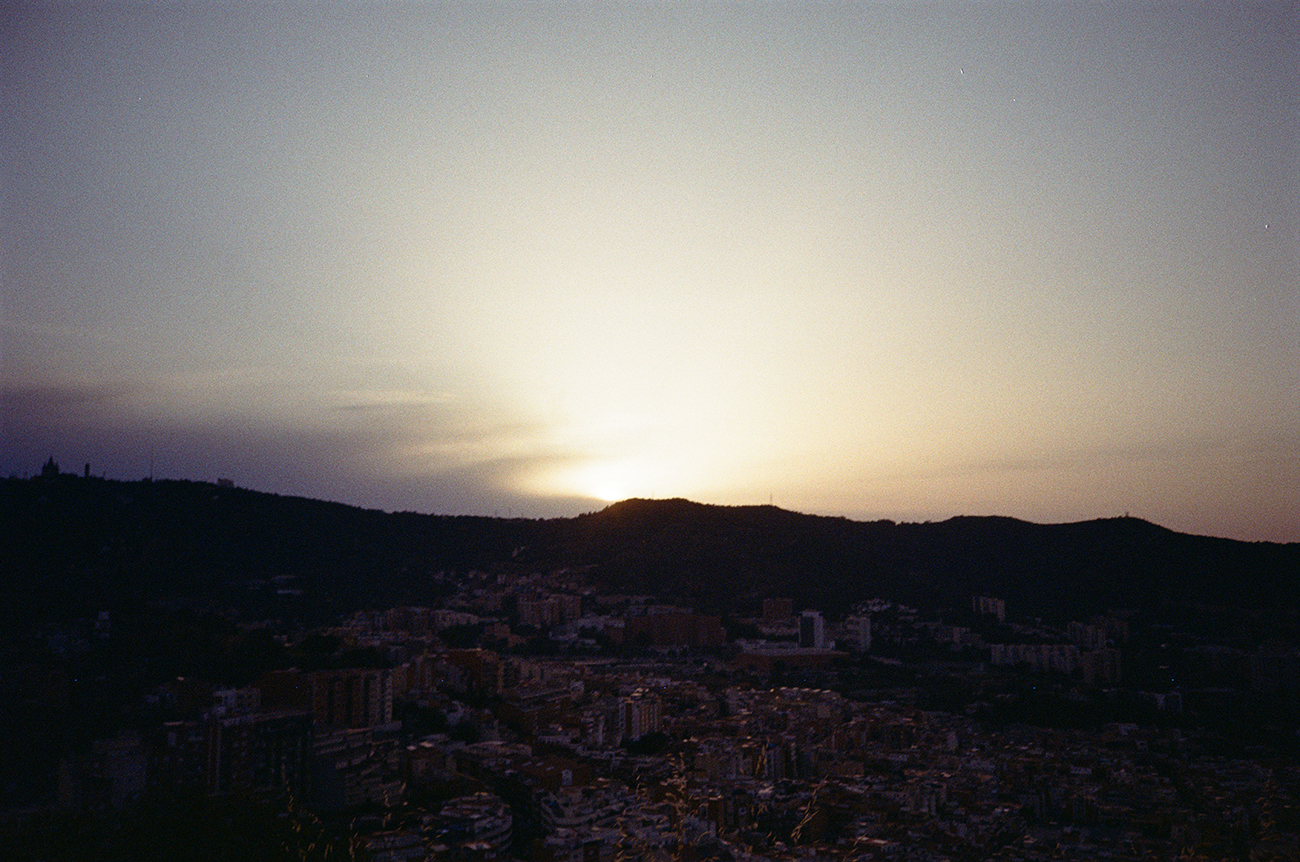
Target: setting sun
point(610, 481)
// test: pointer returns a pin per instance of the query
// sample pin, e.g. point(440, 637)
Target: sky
point(901, 260)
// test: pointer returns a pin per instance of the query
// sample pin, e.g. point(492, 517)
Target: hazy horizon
point(877, 260)
point(588, 506)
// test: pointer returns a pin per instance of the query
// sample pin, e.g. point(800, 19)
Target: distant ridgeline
point(75, 544)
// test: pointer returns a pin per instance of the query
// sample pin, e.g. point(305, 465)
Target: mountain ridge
point(97, 543)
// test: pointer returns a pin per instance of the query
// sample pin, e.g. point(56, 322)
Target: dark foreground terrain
point(196, 671)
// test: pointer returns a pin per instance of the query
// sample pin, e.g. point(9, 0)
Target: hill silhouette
point(723, 556)
point(74, 545)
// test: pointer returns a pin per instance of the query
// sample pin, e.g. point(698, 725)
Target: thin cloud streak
point(418, 456)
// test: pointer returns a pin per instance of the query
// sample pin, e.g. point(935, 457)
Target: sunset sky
point(903, 260)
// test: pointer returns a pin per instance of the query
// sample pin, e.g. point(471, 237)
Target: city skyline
point(901, 261)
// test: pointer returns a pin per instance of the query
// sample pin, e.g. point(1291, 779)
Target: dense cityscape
point(540, 715)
